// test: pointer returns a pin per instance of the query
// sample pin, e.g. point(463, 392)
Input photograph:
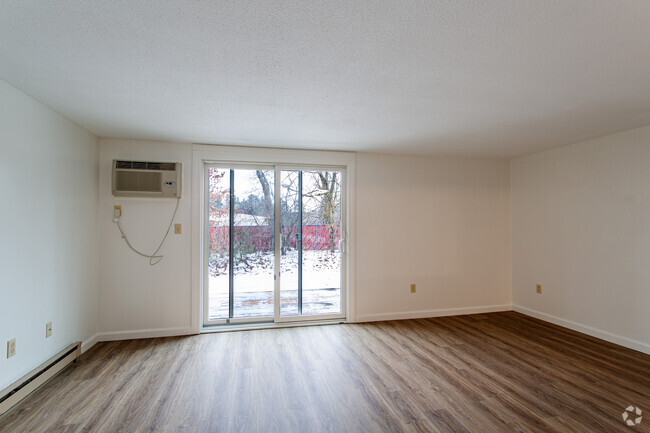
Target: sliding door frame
point(242, 157)
point(342, 279)
point(277, 218)
point(206, 244)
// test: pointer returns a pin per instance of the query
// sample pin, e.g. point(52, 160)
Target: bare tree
point(267, 203)
point(266, 190)
point(327, 193)
point(324, 188)
point(289, 203)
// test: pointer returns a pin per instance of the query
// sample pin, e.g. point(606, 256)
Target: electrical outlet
point(538, 287)
point(117, 211)
point(48, 329)
point(178, 229)
point(11, 348)
point(412, 288)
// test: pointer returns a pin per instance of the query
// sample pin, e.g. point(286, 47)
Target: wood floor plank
point(500, 372)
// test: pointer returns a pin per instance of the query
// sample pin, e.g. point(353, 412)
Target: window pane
point(253, 243)
point(321, 219)
point(218, 260)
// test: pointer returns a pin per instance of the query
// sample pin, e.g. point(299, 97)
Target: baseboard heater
point(24, 386)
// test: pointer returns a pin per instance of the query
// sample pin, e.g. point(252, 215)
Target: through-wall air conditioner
point(146, 179)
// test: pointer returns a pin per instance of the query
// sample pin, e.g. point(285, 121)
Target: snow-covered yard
point(253, 285)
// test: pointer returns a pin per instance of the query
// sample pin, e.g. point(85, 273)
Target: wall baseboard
point(594, 332)
point(144, 333)
point(134, 335)
point(89, 342)
point(423, 314)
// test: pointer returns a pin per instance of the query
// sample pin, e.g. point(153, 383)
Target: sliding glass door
point(240, 214)
point(269, 259)
point(310, 243)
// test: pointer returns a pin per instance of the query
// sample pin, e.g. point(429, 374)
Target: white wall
point(48, 259)
point(441, 223)
point(581, 228)
point(137, 299)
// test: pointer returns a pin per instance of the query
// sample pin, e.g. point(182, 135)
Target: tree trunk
point(266, 190)
point(268, 206)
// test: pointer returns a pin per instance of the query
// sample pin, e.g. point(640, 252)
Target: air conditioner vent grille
point(146, 179)
point(142, 165)
point(123, 164)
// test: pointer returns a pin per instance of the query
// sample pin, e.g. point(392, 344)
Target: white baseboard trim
point(423, 314)
point(145, 333)
point(594, 332)
point(88, 343)
point(134, 335)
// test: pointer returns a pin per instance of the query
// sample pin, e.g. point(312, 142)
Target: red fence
point(260, 238)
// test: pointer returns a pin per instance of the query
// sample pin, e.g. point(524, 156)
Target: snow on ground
point(253, 285)
point(321, 269)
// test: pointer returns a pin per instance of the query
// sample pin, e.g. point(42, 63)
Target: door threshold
point(269, 325)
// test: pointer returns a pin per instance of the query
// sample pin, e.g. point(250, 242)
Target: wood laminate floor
point(501, 372)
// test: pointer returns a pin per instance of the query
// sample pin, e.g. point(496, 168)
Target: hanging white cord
point(153, 256)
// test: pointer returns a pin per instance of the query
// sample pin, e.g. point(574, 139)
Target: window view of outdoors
point(309, 250)
point(321, 232)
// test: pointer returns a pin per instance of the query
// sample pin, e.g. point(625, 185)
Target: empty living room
point(346, 216)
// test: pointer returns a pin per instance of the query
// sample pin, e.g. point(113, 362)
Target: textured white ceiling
point(466, 78)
